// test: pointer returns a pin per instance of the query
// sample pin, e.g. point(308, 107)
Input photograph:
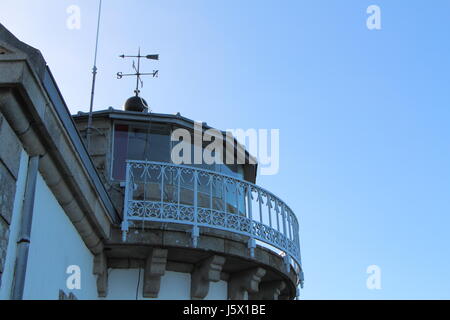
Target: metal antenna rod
point(138, 72)
point(94, 75)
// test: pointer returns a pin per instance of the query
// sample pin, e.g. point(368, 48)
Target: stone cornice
point(26, 105)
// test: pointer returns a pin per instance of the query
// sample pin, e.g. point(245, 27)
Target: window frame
point(130, 124)
point(217, 167)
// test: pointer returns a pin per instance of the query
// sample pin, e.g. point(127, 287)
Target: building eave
point(33, 106)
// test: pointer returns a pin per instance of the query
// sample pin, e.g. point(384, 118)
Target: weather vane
point(137, 69)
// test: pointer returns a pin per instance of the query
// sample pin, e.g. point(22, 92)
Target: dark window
point(120, 152)
point(152, 143)
point(144, 142)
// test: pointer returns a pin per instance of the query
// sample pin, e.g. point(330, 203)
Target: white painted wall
point(217, 291)
point(123, 284)
point(55, 245)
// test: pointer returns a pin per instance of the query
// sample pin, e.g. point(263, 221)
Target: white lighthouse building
point(118, 218)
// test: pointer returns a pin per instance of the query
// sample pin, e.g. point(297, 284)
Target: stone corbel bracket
point(269, 290)
point(204, 272)
point(155, 267)
point(245, 281)
point(101, 271)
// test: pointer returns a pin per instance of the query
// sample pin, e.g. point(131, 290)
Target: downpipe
point(23, 243)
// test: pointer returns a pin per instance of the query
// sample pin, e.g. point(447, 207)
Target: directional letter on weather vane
point(138, 73)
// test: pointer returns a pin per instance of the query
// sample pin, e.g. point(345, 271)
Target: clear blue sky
point(363, 115)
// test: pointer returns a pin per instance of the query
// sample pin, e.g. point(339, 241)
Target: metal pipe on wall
point(23, 243)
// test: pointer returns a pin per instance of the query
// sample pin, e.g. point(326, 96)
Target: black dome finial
point(137, 104)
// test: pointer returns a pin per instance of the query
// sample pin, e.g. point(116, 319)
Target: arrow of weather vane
point(137, 69)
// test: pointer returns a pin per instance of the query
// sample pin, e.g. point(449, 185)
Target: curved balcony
point(168, 193)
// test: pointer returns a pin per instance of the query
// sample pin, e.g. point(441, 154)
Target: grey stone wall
point(100, 151)
point(10, 149)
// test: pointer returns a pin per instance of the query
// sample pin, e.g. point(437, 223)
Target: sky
point(363, 114)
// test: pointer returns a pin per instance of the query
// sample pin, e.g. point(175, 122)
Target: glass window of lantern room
point(139, 142)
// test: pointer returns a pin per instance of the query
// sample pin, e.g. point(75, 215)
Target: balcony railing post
point(237, 197)
point(297, 241)
point(260, 207)
point(251, 241)
point(178, 191)
point(161, 209)
point(269, 206)
point(283, 217)
point(249, 205)
point(195, 229)
point(211, 180)
point(289, 225)
point(277, 211)
point(125, 225)
point(224, 193)
point(287, 258)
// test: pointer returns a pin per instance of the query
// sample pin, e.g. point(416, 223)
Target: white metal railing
point(168, 193)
